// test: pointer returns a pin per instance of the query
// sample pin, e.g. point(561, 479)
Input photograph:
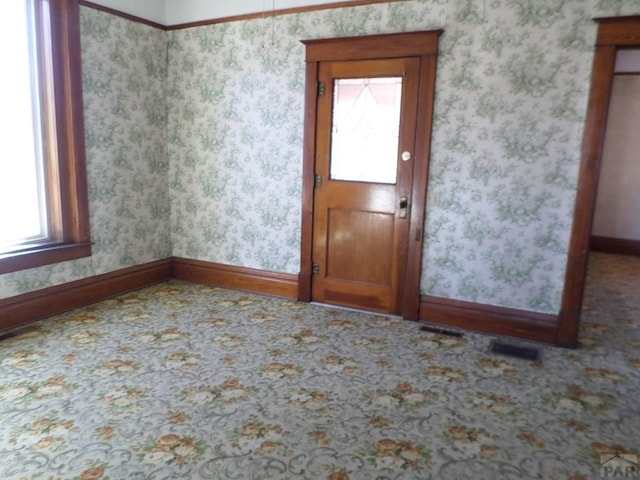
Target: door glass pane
point(366, 124)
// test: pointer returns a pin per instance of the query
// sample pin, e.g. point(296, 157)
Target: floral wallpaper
point(512, 86)
point(236, 107)
point(124, 79)
point(511, 92)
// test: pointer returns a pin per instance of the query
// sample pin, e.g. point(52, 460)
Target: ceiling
point(174, 12)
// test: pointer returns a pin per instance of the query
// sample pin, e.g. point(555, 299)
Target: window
point(43, 191)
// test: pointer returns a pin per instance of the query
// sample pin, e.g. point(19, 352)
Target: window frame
point(63, 142)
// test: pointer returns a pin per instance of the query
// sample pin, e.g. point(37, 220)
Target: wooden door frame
point(412, 44)
point(613, 33)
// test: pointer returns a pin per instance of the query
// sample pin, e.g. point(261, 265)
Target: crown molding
point(180, 14)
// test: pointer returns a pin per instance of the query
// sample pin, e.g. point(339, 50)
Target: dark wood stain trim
point(390, 45)
point(593, 142)
point(283, 11)
point(236, 278)
point(118, 13)
point(29, 307)
point(426, 96)
point(488, 319)
point(617, 20)
point(618, 32)
point(63, 141)
point(308, 174)
point(617, 246)
point(70, 133)
point(613, 33)
point(421, 44)
point(47, 255)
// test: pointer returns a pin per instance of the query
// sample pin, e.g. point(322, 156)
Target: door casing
point(423, 45)
point(613, 33)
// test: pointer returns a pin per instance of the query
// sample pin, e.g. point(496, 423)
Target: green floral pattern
point(348, 396)
point(195, 140)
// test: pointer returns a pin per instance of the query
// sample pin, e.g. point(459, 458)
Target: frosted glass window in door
point(366, 125)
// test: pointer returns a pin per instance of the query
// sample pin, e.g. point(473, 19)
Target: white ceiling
point(154, 10)
point(174, 12)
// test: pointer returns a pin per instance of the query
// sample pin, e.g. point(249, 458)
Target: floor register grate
point(502, 347)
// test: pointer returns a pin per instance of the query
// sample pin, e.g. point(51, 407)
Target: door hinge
point(315, 269)
point(317, 181)
point(320, 88)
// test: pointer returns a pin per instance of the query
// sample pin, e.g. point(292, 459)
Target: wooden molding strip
point(618, 246)
point(236, 278)
point(118, 13)
point(489, 319)
point(618, 31)
point(282, 11)
point(46, 255)
point(404, 44)
point(613, 33)
point(235, 18)
point(29, 307)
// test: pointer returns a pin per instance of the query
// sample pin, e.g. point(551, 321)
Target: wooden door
point(365, 142)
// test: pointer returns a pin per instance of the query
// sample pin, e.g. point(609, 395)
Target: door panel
point(365, 120)
point(373, 235)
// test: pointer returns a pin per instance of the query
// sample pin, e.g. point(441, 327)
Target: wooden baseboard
point(619, 246)
point(489, 319)
point(236, 278)
point(22, 309)
point(29, 307)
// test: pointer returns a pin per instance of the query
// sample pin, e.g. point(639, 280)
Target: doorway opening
point(616, 221)
point(613, 34)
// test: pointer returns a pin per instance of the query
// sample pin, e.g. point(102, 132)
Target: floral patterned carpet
point(184, 381)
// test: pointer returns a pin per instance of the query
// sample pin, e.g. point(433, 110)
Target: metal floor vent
point(501, 347)
point(441, 331)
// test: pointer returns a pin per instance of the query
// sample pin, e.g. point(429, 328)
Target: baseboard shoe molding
point(618, 246)
point(28, 307)
point(510, 322)
point(236, 278)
